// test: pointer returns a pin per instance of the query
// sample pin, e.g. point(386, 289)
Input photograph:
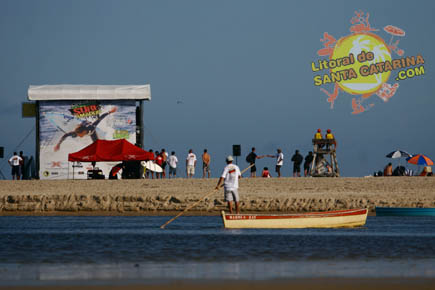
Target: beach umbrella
point(420, 159)
point(398, 154)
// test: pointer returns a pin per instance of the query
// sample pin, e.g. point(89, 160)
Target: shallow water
point(47, 249)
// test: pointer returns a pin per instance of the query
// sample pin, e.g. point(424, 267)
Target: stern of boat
point(223, 218)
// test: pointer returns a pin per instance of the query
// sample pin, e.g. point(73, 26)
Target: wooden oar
point(205, 196)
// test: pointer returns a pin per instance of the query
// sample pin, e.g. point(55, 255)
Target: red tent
point(109, 150)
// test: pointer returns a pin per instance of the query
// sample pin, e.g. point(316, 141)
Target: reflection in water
point(135, 248)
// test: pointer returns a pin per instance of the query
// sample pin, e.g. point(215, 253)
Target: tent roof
point(110, 150)
point(89, 92)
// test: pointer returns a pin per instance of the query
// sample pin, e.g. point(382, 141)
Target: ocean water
point(121, 249)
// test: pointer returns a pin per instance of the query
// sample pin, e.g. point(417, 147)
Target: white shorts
point(231, 194)
point(190, 169)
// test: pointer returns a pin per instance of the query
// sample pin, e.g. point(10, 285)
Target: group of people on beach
point(401, 170)
point(297, 160)
point(163, 161)
point(169, 164)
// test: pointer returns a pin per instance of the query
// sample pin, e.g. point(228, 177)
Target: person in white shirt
point(190, 164)
point(279, 161)
point(172, 160)
point(230, 178)
point(15, 161)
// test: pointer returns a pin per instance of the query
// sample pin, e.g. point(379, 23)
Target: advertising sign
point(69, 126)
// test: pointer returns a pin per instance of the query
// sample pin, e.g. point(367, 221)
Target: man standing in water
point(230, 177)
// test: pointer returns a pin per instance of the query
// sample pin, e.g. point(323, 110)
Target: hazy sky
point(242, 70)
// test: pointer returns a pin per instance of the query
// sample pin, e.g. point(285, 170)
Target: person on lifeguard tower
point(330, 136)
point(318, 136)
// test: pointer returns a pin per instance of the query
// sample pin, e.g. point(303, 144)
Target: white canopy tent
point(89, 92)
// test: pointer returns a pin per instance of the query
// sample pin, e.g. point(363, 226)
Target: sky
point(221, 73)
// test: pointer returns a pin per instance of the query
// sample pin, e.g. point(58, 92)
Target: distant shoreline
point(170, 196)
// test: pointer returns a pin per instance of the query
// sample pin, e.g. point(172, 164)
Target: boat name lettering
point(241, 217)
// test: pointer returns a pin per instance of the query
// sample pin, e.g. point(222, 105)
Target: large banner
point(69, 126)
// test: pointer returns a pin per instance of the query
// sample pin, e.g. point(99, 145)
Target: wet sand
point(322, 284)
point(168, 196)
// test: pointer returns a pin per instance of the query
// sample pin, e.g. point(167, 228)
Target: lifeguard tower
point(321, 167)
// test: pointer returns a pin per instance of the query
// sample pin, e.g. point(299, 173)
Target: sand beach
point(303, 283)
point(167, 196)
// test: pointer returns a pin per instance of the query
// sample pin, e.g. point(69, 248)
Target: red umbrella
point(420, 159)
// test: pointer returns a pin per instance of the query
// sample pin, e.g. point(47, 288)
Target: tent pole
point(37, 143)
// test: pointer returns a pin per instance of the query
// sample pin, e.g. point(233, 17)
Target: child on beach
point(265, 173)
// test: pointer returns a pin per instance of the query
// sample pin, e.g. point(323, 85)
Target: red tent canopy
point(109, 150)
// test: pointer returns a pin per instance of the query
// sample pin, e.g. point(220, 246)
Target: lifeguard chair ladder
point(322, 147)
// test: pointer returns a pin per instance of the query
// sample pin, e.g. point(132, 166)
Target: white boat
point(326, 219)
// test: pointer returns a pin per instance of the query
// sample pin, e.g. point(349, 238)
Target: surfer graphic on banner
point(85, 128)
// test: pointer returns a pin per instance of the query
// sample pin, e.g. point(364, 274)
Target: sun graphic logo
point(361, 63)
point(355, 45)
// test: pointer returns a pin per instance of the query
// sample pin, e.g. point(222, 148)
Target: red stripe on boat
point(337, 213)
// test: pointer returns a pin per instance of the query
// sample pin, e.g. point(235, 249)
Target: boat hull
point(329, 219)
point(404, 211)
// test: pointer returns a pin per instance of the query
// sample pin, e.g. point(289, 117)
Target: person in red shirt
point(265, 172)
point(159, 162)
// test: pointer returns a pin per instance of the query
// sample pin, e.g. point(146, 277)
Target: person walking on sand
point(230, 178)
point(205, 164)
point(251, 158)
point(172, 160)
point(190, 164)
point(297, 160)
point(15, 162)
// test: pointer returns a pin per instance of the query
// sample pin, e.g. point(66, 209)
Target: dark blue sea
point(98, 249)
